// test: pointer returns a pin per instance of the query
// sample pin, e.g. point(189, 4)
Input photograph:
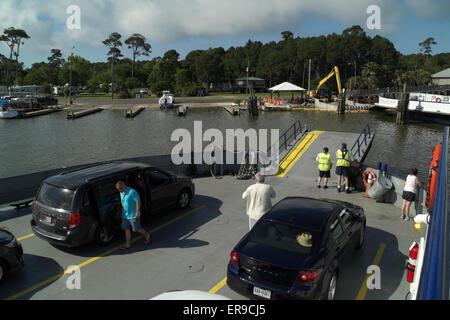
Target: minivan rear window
point(55, 197)
point(282, 236)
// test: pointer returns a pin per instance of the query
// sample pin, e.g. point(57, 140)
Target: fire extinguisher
point(411, 265)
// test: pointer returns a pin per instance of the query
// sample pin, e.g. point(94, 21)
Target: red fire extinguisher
point(411, 265)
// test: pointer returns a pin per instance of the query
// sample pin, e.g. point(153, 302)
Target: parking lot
point(190, 250)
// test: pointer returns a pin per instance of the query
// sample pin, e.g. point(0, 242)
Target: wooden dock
point(133, 112)
point(81, 113)
point(37, 113)
point(182, 110)
point(233, 110)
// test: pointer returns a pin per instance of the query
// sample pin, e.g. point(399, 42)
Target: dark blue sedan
point(294, 251)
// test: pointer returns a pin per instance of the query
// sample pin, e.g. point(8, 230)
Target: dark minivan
point(80, 206)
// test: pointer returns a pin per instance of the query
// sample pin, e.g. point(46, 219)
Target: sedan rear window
point(55, 197)
point(283, 237)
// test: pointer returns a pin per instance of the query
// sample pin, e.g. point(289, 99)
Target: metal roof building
point(441, 78)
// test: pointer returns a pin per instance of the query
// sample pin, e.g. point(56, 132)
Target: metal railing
point(435, 275)
point(287, 137)
point(376, 91)
point(361, 141)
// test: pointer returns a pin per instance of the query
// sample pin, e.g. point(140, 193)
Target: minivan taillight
point(307, 277)
point(74, 220)
point(234, 258)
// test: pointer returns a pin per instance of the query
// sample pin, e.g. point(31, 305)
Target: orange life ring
point(365, 175)
point(438, 99)
point(432, 176)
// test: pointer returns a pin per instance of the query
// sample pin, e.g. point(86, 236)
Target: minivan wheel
point(3, 270)
point(184, 199)
point(331, 289)
point(103, 236)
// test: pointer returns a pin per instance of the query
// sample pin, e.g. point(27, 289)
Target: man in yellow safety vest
point(344, 159)
point(324, 166)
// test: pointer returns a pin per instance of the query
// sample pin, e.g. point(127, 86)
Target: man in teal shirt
point(131, 219)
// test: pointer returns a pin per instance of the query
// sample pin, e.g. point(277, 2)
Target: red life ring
point(438, 100)
point(365, 176)
point(432, 176)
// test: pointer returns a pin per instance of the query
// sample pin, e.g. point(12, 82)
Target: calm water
point(52, 141)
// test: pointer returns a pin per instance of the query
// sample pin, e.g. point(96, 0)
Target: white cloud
point(164, 21)
point(430, 9)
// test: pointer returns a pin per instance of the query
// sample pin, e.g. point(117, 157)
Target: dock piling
point(182, 110)
point(402, 109)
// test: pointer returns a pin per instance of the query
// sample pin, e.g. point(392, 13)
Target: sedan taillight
point(234, 258)
point(307, 277)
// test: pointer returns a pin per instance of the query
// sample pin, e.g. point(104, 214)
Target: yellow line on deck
point(218, 286)
point(56, 277)
point(297, 153)
point(376, 261)
point(25, 237)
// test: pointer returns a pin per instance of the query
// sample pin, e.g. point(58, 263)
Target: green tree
point(54, 63)
point(425, 46)
point(81, 71)
point(113, 43)
point(182, 81)
point(209, 66)
point(14, 38)
point(138, 45)
point(45, 88)
point(37, 74)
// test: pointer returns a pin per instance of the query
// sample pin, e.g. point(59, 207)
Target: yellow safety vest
point(324, 162)
point(343, 158)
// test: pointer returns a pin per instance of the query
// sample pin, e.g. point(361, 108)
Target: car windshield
point(282, 236)
point(55, 197)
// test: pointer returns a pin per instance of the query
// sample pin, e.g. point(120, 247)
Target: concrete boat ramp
point(190, 249)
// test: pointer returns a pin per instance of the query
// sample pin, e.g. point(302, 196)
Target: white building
point(23, 91)
point(441, 78)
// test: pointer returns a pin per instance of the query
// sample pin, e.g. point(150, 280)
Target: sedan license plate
point(261, 292)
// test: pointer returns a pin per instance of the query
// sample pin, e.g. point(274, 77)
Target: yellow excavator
point(333, 72)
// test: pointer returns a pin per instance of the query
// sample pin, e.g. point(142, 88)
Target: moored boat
point(6, 112)
point(420, 103)
point(167, 99)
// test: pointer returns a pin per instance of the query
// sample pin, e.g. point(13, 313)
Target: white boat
point(167, 100)
point(421, 103)
point(7, 112)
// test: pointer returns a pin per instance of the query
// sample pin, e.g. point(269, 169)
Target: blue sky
point(186, 25)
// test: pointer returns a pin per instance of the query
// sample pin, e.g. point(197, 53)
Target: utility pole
point(70, 76)
point(309, 76)
point(248, 68)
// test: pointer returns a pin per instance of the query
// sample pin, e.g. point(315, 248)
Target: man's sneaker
point(347, 190)
point(406, 219)
point(402, 217)
point(338, 188)
point(318, 186)
point(325, 187)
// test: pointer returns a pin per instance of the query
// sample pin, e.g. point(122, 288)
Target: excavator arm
point(333, 72)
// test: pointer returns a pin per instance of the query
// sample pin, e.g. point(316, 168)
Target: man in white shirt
point(258, 198)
